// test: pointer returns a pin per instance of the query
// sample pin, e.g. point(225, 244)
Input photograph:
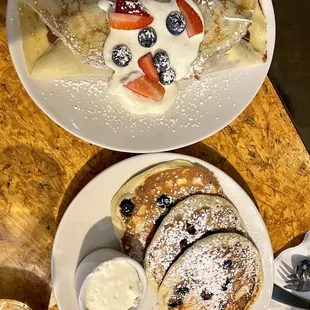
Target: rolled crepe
point(80, 24)
point(34, 36)
point(60, 62)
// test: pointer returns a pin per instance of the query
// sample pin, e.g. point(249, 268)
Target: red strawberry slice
point(193, 21)
point(147, 66)
point(147, 88)
point(132, 7)
point(128, 22)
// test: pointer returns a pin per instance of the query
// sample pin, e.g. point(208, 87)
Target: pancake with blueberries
point(222, 271)
point(187, 222)
point(139, 206)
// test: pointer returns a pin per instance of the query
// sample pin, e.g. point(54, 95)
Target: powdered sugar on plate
point(91, 98)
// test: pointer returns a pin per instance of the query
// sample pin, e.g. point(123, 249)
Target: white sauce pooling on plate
point(113, 285)
point(182, 51)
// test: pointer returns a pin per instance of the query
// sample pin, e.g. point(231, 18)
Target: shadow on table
point(31, 187)
point(24, 286)
point(292, 243)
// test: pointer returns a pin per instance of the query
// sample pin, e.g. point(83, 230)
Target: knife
point(284, 297)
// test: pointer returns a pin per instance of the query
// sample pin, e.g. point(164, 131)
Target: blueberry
point(175, 302)
point(164, 201)
point(247, 36)
point(225, 285)
point(227, 264)
point(121, 55)
point(206, 295)
point(175, 23)
point(161, 61)
point(127, 207)
point(183, 244)
point(182, 290)
point(190, 229)
point(167, 77)
point(147, 37)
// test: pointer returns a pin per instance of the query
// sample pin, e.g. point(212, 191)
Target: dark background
point(290, 69)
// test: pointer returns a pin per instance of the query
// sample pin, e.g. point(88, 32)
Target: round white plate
point(204, 107)
point(86, 226)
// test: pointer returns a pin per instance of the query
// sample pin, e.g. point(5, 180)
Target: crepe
point(238, 33)
point(149, 196)
point(80, 24)
point(222, 271)
point(187, 222)
point(34, 35)
point(59, 62)
point(241, 55)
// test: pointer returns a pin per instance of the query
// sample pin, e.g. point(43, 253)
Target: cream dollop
point(113, 285)
point(182, 51)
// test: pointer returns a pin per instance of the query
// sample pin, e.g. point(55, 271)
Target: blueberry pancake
point(187, 222)
point(222, 271)
point(139, 206)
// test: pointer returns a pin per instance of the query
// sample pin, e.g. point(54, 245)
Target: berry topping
point(167, 77)
point(225, 285)
point(183, 244)
point(193, 21)
point(147, 37)
point(121, 55)
point(161, 61)
point(133, 7)
point(127, 207)
point(147, 66)
point(206, 295)
point(175, 23)
point(190, 229)
point(175, 302)
point(164, 201)
point(227, 264)
point(128, 22)
point(147, 88)
point(183, 290)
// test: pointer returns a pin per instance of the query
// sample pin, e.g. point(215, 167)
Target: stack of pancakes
point(193, 242)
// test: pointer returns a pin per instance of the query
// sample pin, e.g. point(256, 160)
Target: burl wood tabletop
point(42, 168)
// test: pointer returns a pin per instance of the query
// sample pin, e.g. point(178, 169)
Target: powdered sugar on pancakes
point(187, 222)
point(210, 282)
point(178, 183)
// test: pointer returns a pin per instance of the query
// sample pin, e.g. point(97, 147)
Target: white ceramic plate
point(86, 226)
point(287, 261)
point(203, 109)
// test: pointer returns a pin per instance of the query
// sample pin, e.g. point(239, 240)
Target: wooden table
point(42, 167)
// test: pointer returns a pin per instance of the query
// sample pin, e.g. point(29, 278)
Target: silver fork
point(300, 281)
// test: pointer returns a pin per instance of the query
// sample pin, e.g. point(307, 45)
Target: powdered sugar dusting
point(211, 282)
point(91, 98)
point(191, 219)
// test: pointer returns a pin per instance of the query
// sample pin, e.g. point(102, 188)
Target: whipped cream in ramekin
point(114, 285)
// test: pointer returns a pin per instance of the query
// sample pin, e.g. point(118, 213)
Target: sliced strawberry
point(193, 21)
point(147, 66)
point(128, 22)
point(147, 88)
point(133, 7)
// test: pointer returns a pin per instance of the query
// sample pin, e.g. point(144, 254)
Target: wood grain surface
point(42, 167)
